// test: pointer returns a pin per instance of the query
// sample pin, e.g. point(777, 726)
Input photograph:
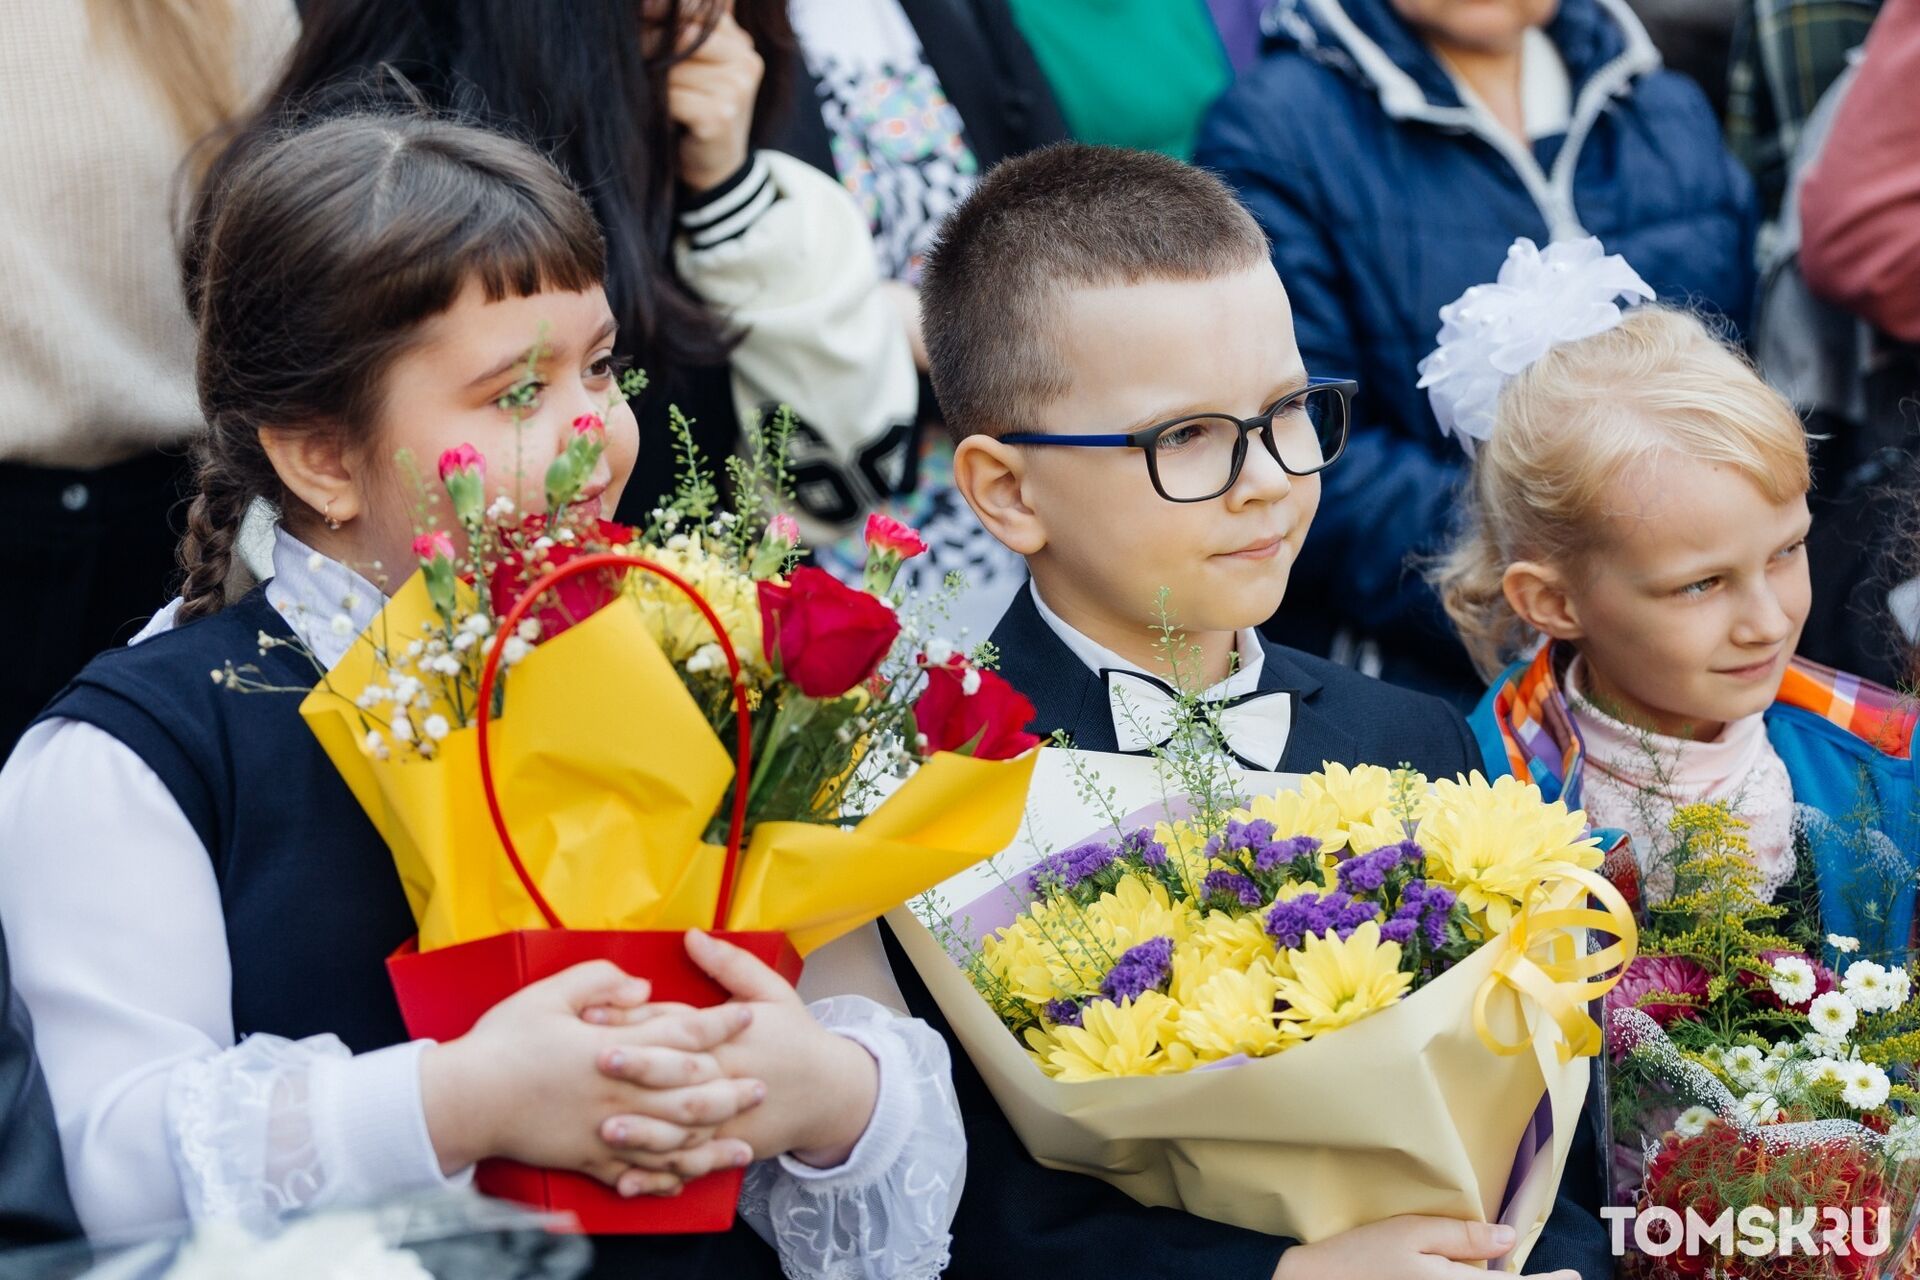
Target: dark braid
point(213, 530)
point(313, 257)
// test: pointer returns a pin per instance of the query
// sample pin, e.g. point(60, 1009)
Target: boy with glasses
point(1115, 358)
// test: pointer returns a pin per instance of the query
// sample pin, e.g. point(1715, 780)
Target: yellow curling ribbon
point(1543, 962)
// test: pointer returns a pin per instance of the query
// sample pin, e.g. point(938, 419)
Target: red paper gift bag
point(442, 993)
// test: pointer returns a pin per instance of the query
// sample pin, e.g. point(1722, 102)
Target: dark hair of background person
point(1062, 217)
point(322, 251)
point(585, 81)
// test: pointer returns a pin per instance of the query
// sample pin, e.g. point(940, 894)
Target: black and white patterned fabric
point(899, 147)
point(898, 144)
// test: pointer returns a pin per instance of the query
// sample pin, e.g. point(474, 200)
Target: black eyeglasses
point(1198, 458)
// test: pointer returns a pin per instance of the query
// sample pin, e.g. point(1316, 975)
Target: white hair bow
point(1492, 332)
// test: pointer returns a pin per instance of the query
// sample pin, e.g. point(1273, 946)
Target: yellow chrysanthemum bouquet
point(1294, 1005)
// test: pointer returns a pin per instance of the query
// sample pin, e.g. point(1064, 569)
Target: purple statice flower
point(1287, 922)
point(1231, 884)
point(1438, 906)
point(1139, 969)
point(1293, 920)
point(1367, 872)
point(1401, 928)
point(1275, 854)
point(1410, 853)
point(1062, 1013)
point(1071, 867)
point(1140, 844)
point(1249, 835)
point(1345, 914)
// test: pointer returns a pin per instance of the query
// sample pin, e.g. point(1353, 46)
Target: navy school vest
point(312, 903)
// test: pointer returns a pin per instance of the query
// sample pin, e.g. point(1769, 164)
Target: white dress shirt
point(115, 931)
point(1254, 725)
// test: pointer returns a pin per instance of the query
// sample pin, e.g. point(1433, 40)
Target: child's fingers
point(653, 1067)
point(649, 1182)
point(692, 1031)
point(698, 1161)
point(1462, 1241)
point(740, 972)
point(697, 1105)
point(607, 1015)
point(634, 1136)
point(599, 982)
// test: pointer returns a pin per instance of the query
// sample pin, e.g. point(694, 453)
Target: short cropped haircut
point(1068, 216)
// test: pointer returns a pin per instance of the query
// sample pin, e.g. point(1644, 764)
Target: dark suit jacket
point(1016, 1214)
point(34, 1207)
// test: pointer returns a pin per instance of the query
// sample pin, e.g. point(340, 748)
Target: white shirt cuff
point(371, 1126)
point(896, 1108)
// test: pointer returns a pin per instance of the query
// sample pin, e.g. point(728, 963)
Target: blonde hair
point(186, 49)
point(1567, 428)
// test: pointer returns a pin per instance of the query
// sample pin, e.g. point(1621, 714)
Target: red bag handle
point(743, 747)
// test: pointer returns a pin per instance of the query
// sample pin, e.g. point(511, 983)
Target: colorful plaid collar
point(1875, 714)
point(1543, 746)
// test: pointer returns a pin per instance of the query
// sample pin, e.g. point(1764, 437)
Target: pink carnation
point(434, 545)
point(462, 459)
point(888, 536)
point(589, 424)
point(784, 528)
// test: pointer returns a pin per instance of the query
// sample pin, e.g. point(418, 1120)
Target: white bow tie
point(1146, 713)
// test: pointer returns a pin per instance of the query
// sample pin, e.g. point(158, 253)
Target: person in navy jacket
point(1392, 150)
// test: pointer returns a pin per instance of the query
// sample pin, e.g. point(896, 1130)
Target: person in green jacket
point(1129, 73)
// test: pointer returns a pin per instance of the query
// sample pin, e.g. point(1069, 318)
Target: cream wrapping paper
point(1407, 1111)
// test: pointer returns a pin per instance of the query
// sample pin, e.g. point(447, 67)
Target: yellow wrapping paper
point(609, 774)
point(1417, 1109)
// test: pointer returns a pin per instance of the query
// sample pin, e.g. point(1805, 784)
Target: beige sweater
point(97, 362)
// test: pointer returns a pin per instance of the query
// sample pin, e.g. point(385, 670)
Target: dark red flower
point(574, 600)
point(1653, 976)
point(973, 712)
point(1761, 986)
point(823, 635)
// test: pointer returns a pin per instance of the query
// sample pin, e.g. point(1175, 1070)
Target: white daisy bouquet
point(1293, 1004)
point(1758, 1063)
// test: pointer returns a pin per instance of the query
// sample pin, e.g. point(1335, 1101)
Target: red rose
point(821, 634)
point(574, 600)
point(973, 712)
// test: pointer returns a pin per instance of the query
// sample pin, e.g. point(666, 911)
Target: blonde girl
point(1632, 578)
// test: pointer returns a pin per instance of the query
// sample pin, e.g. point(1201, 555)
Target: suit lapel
point(1065, 695)
point(1315, 738)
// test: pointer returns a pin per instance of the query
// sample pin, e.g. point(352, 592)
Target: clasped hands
point(582, 1072)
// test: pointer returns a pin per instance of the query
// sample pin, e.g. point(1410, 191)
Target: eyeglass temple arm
point(1031, 437)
